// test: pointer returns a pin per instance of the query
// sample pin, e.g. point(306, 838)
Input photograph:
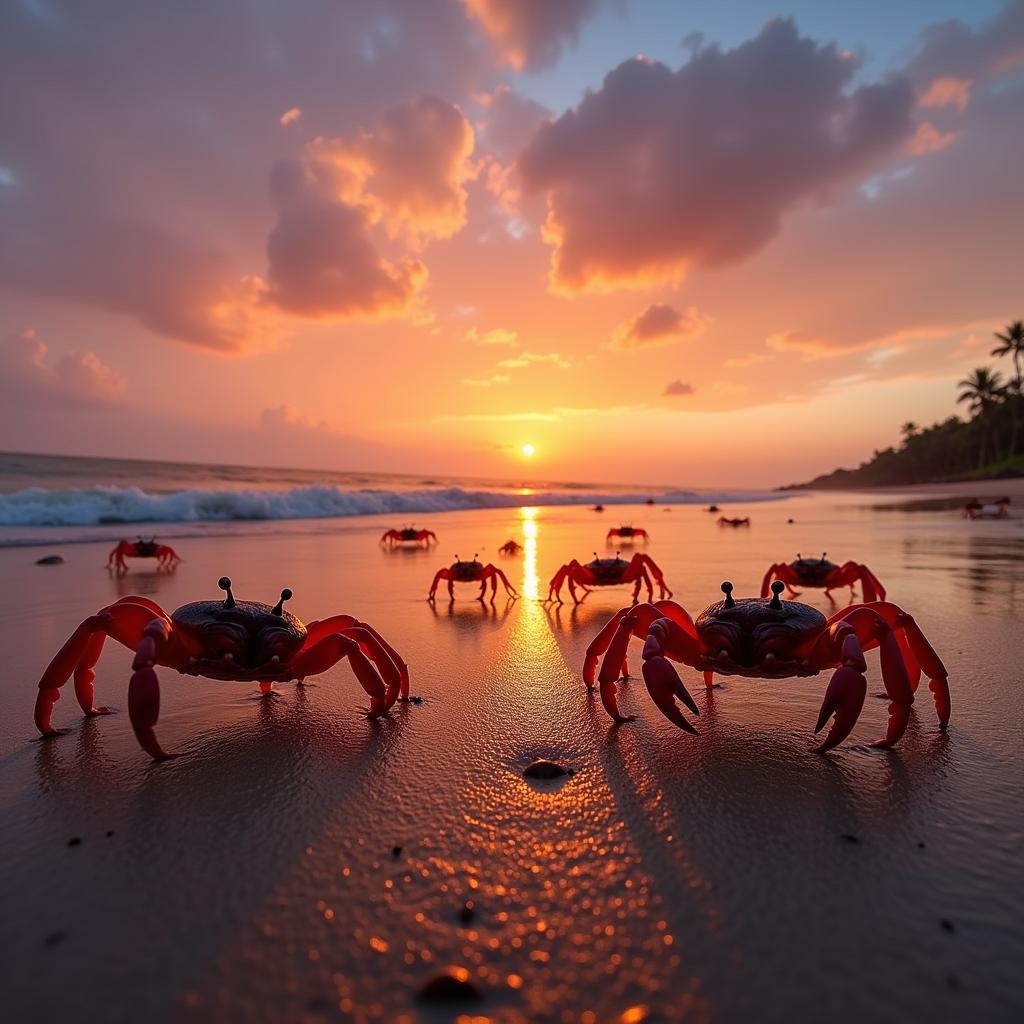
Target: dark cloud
point(677, 387)
point(660, 170)
point(658, 324)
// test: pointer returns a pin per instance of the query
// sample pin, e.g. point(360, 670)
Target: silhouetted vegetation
point(988, 445)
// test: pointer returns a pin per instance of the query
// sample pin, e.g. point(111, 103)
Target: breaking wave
point(109, 505)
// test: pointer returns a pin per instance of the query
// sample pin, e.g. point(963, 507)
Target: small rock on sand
point(544, 769)
point(50, 560)
point(451, 985)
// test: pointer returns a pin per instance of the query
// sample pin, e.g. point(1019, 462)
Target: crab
point(626, 533)
point(165, 555)
point(820, 573)
point(408, 535)
point(726, 521)
point(974, 509)
point(472, 572)
point(510, 547)
point(775, 639)
point(235, 641)
point(608, 572)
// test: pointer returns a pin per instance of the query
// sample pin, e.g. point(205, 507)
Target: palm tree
point(982, 388)
point(909, 429)
point(1013, 345)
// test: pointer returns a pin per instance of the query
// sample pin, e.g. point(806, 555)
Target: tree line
point(988, 444)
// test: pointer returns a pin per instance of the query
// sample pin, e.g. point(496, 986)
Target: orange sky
point(411, 240)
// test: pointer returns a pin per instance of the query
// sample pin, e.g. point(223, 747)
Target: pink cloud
point(290, 116)
point(409, 172)
point(76, 378)
point(928, 139)
point(322, 263)
point(530, 34)
point(658, 324)
point(286, 417)
point(677, 389)
point(661, 170)
point(947, 92)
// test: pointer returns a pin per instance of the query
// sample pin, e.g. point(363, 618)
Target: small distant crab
point(774, 639)
point(608, 572)
point(235, 641)
point(472, 572)
point(974, 509)
point(510, 547)
point(408, 535)
point(629, 533)
point(726, 521)
point(165, 555)
point(820, 573)
point(598, 508)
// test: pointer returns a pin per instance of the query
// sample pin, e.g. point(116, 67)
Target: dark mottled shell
point(409, 534)
point(466, 572)
point(608, 569)
point(812, 570)
point(626, 531)
point(252, 616)
point(750, 612)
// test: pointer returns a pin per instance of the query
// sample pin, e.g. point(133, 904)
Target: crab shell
point(757, 639)
point(608, 569)
point(238, 642)
point(812, 570)
point(466, 572)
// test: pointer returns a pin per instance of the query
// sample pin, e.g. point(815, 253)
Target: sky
point(686, 243)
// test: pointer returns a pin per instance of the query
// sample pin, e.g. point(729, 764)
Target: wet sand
point(301, 863)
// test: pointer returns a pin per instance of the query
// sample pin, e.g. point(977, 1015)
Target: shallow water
point(701, 877)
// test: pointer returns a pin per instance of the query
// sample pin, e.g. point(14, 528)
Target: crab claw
point(845, 697)
point(663, 684)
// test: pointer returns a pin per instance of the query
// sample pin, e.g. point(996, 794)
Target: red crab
point(236, 641)
point(974, 509)
point(608, 572)
point(820, 573)
point(626, 533)
point(774, 639)
point(165, 555)
point(471, 572)
point(726, 521)
point(409, 535)
point(510, 547)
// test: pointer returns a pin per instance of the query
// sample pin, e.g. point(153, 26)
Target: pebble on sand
point(451, 985)
point(544, 769)
point(50, 560)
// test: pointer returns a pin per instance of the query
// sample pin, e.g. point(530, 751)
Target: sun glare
point(528, 450)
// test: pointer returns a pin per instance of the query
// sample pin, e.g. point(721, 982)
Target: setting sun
point(528, 451)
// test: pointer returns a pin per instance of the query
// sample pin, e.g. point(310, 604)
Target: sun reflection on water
point(530, 586)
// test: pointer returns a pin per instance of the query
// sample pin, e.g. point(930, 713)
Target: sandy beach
point(301, 863)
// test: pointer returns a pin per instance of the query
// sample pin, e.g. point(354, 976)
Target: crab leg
point(663, 588)
point(144, 689)
point(779, 571)
point(509, 589)
point(329, 651)
point(383, 651)
point(661, 678)
point(124, 621)
point(441, 574)
point(555, 586)
point(846, 690)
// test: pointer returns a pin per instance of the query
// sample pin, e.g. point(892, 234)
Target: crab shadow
point(185, 852)
point(470, 617)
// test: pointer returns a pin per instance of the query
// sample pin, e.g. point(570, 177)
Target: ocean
point(79, 499)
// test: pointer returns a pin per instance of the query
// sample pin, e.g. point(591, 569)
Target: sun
point(528, 451)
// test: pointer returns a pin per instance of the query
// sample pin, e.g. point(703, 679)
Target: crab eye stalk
point(727, 590)
point(286, 595)
point(225, 584)
point(777, 588)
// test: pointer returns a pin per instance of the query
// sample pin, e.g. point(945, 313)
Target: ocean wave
point(108, 505)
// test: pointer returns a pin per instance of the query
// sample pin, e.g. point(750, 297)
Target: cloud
point(409, 172)
point(286, 417)
point(486, 382)
point(76, 378)
point(509, 121)
point(531, 358)
point(495, 336)
point(928, 139)
point(291, 115)
point(658, 171)
point(529, 34)
point(882, 347)
point(658, 324)
point(677, 387)
point(322, 262)
point(947, 92)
